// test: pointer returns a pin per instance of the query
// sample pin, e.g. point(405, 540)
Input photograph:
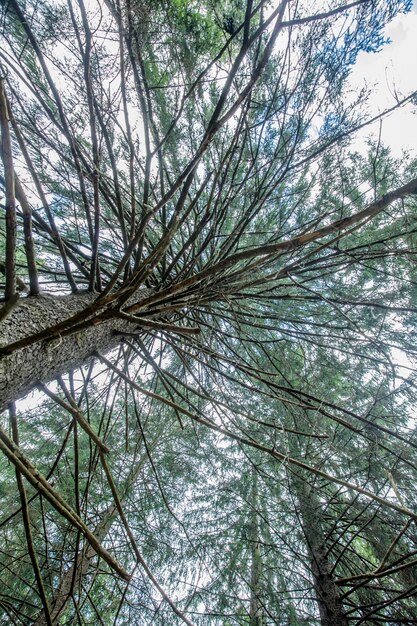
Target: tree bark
point(46, 359)
point(255, 610)
point(72, 578)
point(327, 592)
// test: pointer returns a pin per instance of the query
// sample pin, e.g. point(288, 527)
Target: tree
point(213, 293)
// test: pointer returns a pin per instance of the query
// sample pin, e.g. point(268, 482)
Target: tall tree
point(210, 292)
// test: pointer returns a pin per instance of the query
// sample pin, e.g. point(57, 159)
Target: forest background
point(208, 286)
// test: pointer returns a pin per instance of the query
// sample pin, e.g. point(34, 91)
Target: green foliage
point(259, 412)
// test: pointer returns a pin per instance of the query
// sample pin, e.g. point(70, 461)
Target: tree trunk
point(255, 610)
point(73, 577)
point(46, 359)
point(327, 592)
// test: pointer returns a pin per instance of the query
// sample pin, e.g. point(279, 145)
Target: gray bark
point(45, 360)
point(327, 592)
point(255, 610)
point(72, 578)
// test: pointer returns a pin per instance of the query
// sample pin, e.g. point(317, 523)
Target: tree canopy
point(209, 294)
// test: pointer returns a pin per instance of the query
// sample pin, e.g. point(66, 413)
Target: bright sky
point(393, 71)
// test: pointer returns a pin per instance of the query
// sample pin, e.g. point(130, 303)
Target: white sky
point(393, 70)
point(392, 73)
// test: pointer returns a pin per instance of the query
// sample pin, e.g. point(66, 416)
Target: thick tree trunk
point(327, 592)
point(45, 360)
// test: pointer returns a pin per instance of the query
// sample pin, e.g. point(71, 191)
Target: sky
point(392, 71)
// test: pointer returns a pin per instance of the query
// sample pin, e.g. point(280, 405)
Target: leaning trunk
point(46, 359)
point(73, 577)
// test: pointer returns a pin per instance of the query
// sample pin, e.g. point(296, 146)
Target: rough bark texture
point(45, 360)
point(255, 609)
point(327, 592)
